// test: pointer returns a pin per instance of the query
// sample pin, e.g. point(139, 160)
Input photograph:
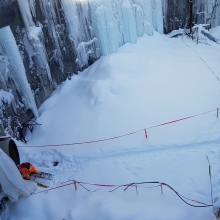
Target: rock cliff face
point(50, 40)
point(177, 13)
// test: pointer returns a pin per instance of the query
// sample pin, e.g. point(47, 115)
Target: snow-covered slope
point(142, 86)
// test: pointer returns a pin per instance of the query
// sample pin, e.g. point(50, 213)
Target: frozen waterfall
point(51, 40)
point(100, 27)
point(14, 68)
point(95, 27)
point(35, 35)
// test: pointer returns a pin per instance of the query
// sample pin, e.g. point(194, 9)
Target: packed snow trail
point(68, 166)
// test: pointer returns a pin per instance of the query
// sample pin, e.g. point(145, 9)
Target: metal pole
point(191, 15)
point(210, 179)
point(75, 185)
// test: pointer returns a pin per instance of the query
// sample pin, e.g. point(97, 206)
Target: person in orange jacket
point(27, 169)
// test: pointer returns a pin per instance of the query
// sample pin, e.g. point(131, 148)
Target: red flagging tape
point(86, 142)
point(193, 200)
point(53, 188)
point(91, 184)
point(116, 137)
point(96, 184)
point(109, 185)
point(181, 119)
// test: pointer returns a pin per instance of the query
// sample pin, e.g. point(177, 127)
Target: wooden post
point(136, 189)
point(75, 185)
point(217, 112)
point(161, 188)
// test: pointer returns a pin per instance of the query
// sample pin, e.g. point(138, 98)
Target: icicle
point(4, 71)
point(10, 48)
point(32, 7)
point(130, 33)
point(105, 26)
point(48, 8)
point(26, 13)
point(159, 16)
point(75, 30)
point(113, 23)
point(139, 19)
point(34, 34)
point(70, 11)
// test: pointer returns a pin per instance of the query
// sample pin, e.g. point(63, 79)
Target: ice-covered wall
point(176, 13)
point(100, 27)
point(14, 69)
point(54, 39)
point(16, 98)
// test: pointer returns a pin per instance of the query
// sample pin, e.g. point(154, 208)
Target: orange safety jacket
point(26, 169)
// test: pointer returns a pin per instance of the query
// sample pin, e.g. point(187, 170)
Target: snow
point(155, 81)
point(5, 96)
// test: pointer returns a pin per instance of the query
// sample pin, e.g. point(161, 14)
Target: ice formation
point(94, 28)
point(14, 68)
point(110, 24)
point(35, 35)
